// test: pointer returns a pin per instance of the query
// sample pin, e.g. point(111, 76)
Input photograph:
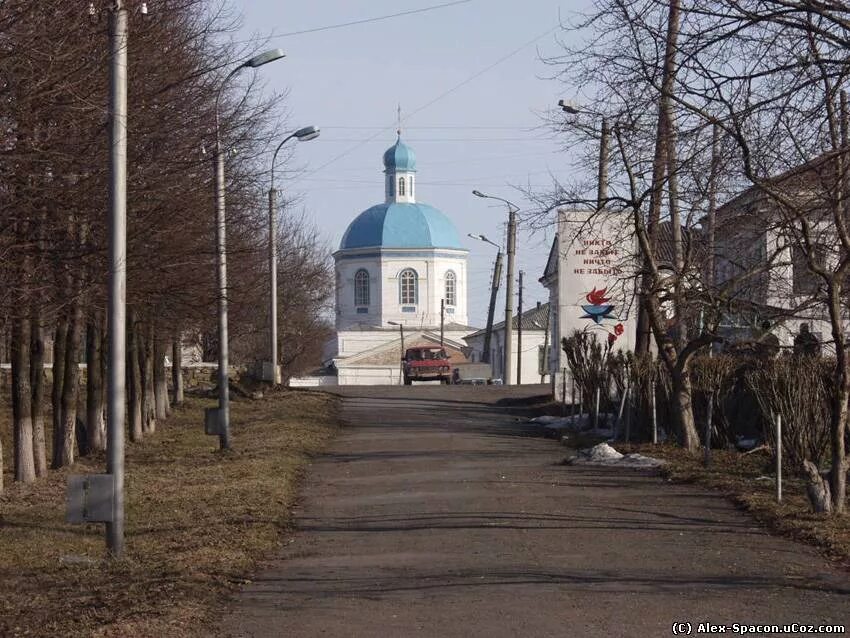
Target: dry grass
point(749, 480)
point(197, 521)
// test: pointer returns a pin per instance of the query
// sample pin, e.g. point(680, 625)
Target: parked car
point(472, 374)
point(426, 363)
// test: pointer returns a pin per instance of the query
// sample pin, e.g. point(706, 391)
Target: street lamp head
point(307, 133)
point(568, 107)
point(478, 194)
point(264, 58)
point(393, 323)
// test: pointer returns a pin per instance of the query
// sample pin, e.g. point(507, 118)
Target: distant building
point(396, 263)
point(533, 354)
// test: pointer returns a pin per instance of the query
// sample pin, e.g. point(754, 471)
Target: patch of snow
point(604, 455)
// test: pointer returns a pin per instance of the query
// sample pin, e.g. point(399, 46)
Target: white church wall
point(353, 342)
point(347, 314)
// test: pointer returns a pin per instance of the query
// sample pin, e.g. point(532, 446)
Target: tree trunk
point(838, 474)
point(817, 489)
point(160, 378)
point(146, 367)
point(60, 340)
point(683, 410)
point(70, 385)
point(37, 382)
point(95, 424)
point(177, 370)
point(22, 401)
point(134, 379)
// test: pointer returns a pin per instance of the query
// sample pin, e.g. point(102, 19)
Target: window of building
point(390, 186)
point(401, 186)
point(411, 185)
point(805, 281)
point(451, 289)
point(408, 285)
point(361, 288)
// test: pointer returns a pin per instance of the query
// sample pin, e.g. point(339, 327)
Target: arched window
point(401, 186)
point(390, 186)
point(451, 288)
point(361, 288)
point(411, 186)
point(407, 290)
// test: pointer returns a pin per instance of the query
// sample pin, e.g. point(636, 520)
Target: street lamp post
point(604, 137)
point(401, 368)
point(302, 135)
point(223, 415)
point(509, 284)
point(116, 322)
point(494, 289)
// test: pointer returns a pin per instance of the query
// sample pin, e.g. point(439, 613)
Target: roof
point(401, 225)
point(535, 319)
point(448, 327)
point(399, 157)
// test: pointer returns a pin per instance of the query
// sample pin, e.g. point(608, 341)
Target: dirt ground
point(437, 514)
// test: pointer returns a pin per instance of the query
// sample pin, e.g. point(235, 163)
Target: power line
point(438, 98)
point(376, 19)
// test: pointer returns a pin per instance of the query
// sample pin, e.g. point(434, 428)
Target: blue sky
point(471, 128)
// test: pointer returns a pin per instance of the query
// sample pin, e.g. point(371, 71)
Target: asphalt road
point(435, 514)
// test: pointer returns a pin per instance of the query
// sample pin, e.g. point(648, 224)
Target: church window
point(401, 186)
point(390, 186)
point(361, 288)
point(408, 287)
point(451, 288)
point(411, 185)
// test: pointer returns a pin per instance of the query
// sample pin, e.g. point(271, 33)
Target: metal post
point(401, 332)
point(442, 320)
point(572, 394)
point(654, 417)
point(708, 419)
point(564, 392)
point(494, 289)
point(116, 322)
point(221, 271)
point(519, 334)
point(620, 411)
point(273, 285)
point(778, 458)
point(596, 410)
point(509, 294)
point(628, 415)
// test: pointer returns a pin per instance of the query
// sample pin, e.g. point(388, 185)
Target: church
point(401, 274)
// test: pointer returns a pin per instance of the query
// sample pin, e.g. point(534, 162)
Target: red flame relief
point(597, 297)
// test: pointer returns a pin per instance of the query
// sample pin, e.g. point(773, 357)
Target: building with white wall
point(531, 356)
point(400, 263)
point(591, 280)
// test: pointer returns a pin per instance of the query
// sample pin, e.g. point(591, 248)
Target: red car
point(426, 363)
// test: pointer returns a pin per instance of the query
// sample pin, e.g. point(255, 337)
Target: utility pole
point(442, 320)
point(116, 322)
point(519, 334)
point(602, 184)
point(494, 290)
point(545, 362)
point(509, 293)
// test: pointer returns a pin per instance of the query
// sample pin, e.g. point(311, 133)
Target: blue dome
point(397, 225)
point(400, 157)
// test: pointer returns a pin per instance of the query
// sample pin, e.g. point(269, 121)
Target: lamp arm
point(274, 157)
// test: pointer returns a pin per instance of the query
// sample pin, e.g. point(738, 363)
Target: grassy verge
point(749, 481)
point(197, 521)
